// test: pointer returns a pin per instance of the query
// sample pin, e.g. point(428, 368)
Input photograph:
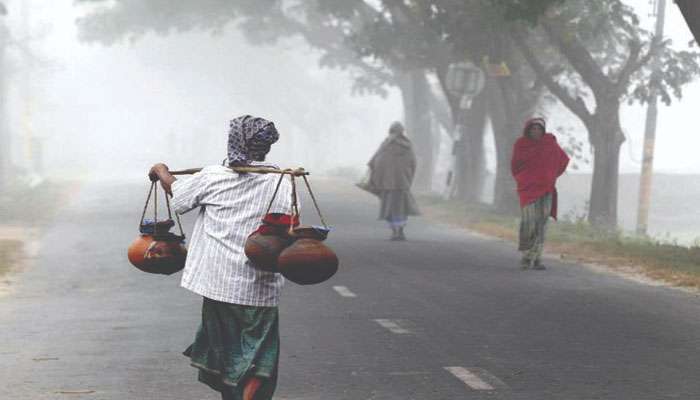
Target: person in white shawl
point(392, 169)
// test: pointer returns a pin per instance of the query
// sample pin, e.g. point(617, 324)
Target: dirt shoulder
point(640, 259)
point(25, 212)
point(10, 256)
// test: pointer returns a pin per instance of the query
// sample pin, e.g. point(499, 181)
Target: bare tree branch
point(573, 103)
point(578, 55)
point(623, 82)
point(630, 67)
point(691, 13)
point(367, 12)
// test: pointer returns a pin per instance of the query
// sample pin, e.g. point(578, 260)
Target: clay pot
point(280, 220)
point(263, 250)
point(308, 261)
point(264, 246)
point(162, 253)
point(159, 228)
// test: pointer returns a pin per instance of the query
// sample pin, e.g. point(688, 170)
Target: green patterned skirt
point(533, 227)
point(235, 342)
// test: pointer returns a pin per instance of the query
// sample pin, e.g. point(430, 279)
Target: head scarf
point(396, 128)
point(249, 139)
point(534, 121)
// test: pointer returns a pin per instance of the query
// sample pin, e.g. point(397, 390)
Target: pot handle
point(294, 212)
point(153, 191)
point(274, 195)
point(295, 206)
point(148, 201)
point(313, 199)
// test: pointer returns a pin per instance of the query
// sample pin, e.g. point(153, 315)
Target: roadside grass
point(10, 251)
point(25, 209)
point(576, 240)
point(34, 206)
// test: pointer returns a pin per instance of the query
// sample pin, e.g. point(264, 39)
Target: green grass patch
point(33, 206)
point(575, 239)
point(10, 251)
point(25, 210)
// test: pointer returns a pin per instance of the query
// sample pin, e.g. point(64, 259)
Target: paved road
point(444, 316)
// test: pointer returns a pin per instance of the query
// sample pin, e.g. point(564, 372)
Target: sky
point(170, 99)
point(118, 109)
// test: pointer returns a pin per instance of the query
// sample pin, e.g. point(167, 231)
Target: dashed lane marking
point(469, 378)
point(392, 325)
point(344, 291)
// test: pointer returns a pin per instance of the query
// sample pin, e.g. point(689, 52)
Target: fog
point(100, 109)
point(476, 256)
point(85, 110)
point(111, 112)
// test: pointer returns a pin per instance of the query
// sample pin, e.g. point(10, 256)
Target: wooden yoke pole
point(253, 170)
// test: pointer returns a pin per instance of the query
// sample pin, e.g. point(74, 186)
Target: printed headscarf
point(396, 128)
point(534, 121)
point(249, 139)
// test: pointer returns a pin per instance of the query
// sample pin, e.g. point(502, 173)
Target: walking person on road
point(537, 162)
point(236, 348)
point(392, 169)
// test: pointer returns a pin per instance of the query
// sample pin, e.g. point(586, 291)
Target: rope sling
point(156, 250)
point(300, 255)
point(153, 191)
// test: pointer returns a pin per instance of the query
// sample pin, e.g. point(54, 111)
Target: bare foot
point(251, 387)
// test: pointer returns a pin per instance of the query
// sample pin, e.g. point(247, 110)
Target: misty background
point(109, 113)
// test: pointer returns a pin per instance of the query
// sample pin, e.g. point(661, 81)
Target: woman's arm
point(563, 162)
point(160, 172)
point(515, 163)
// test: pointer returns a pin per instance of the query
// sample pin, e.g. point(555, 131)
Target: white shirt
point(231, 207)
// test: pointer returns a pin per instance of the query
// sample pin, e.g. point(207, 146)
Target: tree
point(608, 54)
point(512, 100)
point(329, 26)
point(691, 13)
point(387, 36)
point(429, 36)
point(475, 30)
point(522, 10)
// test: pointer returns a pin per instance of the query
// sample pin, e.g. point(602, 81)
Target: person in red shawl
point(537, 162)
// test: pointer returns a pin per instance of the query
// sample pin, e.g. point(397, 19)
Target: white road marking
point(344, 291)
point(392, 326)
point(470, 379)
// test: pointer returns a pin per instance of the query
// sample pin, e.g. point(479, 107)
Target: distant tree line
point(592, 57)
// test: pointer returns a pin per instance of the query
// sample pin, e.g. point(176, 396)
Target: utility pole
point(26, 77)
point(650, 129)
point(32, 143)
point(5, 154)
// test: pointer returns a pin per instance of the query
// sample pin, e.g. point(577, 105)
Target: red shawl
point(536, 165)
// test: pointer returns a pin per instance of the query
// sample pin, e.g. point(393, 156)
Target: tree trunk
point(691, 13)
point(505, 132)
point(470, 165)
point(512, 100)
point(606, 138)
point(510, 104)
point(416, 95)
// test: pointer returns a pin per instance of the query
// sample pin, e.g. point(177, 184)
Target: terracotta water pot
point(160, 253)
point(264, 246)
point(308, 261)
point(263, 250)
